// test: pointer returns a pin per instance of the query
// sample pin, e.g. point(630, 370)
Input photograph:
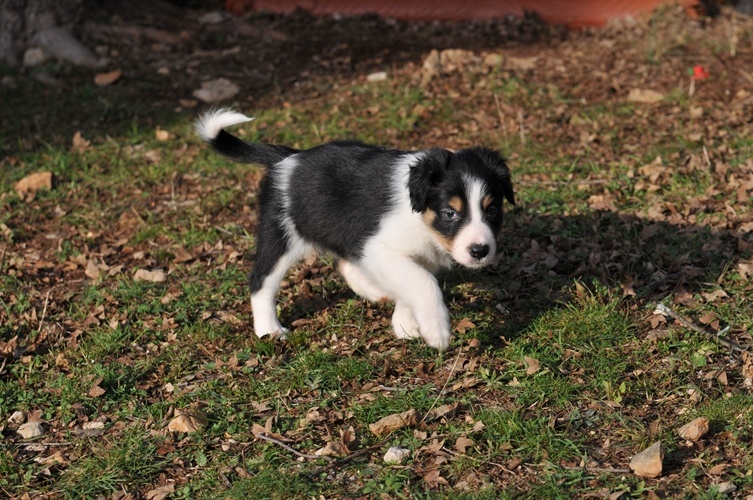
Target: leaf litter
point(602, 238)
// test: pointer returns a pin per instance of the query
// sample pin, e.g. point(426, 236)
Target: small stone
point(214, 91)
point(695, 430)
point(30, 430)
point(724, 488)
point(648, 463)
point(34, 57)
point(379, 76)
point(396, 455)
point(17, 418)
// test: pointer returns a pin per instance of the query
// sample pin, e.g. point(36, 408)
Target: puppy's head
point(460, 196)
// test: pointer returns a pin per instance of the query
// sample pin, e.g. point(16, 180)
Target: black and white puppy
point(392, 218)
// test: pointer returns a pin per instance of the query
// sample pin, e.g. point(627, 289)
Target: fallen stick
point(342, 461)
point(292, 450)
point(666, 311)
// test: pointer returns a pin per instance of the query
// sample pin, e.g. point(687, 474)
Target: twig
point(587, 182)
point(500, 115)
point(597, 469)
point(344, 460)
point(666, 311)
point(452, 371)
point(292, 450)
point(44, 309)
point(478, 460)
point(2, 260)
point(522, 128)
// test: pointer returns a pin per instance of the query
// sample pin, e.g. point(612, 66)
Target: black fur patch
point(340, 192)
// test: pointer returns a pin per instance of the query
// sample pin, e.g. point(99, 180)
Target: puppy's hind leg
point(359, 282)
point(274, 256)
point(404, 323)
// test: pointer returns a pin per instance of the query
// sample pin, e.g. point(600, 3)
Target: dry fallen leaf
point(394, 422)
point(747, 369)
point(715, 295)
point(160, 493)
point(434, 479)
point(104, 79)
point(29, 185)
point(463, 443)
point(645, 96)
point(464, 325)
point(79, 143)
point(56, 458)
point(447, 410)
point(96, 391)
point(332, 448)
point(156, 276)
point(533, 365)
point(187, 421)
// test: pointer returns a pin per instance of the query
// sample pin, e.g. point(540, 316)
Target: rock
point(30, 430)
point(648, 463)
point(61, 44)
point(695, 430)
point(724, 488)
point(214, 91)
point(34, 57)
point(379, 76)
point(396, 455)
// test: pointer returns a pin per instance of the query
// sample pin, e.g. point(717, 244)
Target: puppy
point(391, 218)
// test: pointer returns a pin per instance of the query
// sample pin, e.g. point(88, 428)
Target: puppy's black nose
point(478, 251)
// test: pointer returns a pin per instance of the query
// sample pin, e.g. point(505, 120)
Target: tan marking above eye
point(486, 201)
point(456, 203)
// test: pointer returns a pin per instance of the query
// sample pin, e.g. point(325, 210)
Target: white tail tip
point(211, 122)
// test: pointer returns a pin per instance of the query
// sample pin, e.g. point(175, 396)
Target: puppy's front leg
point(417, 296)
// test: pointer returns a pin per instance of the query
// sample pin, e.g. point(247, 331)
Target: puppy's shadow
point(542, 256)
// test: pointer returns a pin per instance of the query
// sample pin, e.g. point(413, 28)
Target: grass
point(558, 364)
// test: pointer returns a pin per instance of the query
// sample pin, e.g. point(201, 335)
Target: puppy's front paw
point(278, 333)
point(435, 327)
point(281, 334)
point(438, 339)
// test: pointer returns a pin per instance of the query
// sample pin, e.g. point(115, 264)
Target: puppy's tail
point(210, 127)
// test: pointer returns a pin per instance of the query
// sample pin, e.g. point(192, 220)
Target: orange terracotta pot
point(572, 13)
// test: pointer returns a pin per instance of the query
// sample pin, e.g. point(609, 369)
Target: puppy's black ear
point(497, 163)
point(504, 176)
point(425, 175)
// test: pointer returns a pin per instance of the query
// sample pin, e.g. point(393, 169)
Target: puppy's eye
point(450, 216)
point(492, 212)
